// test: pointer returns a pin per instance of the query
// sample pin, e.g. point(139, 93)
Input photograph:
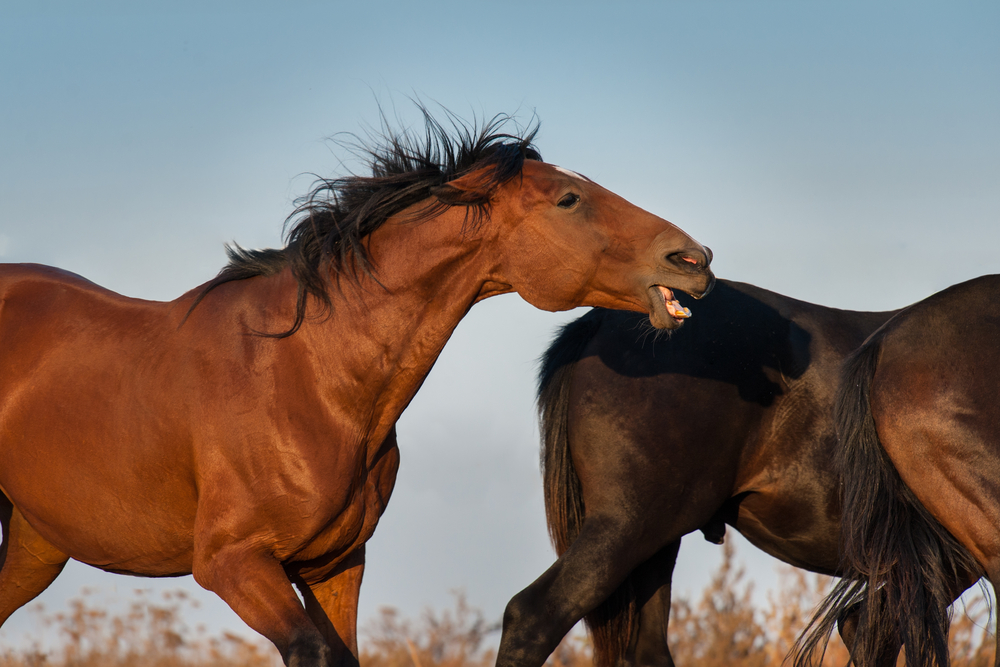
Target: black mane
point(324, 233)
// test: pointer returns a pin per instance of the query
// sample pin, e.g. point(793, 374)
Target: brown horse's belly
point(115, 543)
point(110, 537)
point(95, 506)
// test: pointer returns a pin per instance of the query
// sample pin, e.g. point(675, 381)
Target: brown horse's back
point(72, 397)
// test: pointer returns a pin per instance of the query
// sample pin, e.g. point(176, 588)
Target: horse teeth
point(677, 310)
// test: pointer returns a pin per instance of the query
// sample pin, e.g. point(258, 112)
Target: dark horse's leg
point(651, 583)
point(581, 581)
point(593, 567)
point(28, 563)
point(847, 626)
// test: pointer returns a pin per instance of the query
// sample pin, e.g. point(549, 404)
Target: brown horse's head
point(556, 238)
point(564, 241)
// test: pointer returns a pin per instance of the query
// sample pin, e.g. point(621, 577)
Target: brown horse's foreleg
point(256, 587)
point(28, 563)
point(332, 604)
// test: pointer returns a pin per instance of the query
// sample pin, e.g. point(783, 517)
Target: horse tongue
point(674, 307)
point(677, 310)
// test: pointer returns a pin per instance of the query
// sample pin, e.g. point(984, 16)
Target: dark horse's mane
point(325, 231)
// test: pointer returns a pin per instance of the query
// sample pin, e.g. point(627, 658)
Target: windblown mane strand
point(325, 231)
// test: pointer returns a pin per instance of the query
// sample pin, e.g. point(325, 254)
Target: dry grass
point(725, 628)
point(971, 641)
point(149, 633)
point(720, 628)
point(453, 638)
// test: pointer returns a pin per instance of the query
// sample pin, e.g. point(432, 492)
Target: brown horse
point(245, 432)
point(919, 420)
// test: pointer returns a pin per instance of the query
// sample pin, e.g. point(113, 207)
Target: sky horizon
point(842, 154)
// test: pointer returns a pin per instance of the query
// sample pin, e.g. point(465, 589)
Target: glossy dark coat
point(919, 414)
point(650, 437)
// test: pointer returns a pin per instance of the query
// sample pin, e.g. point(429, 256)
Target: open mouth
point(673, 306)
point(665, 311)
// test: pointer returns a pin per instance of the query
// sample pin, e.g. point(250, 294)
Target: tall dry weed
point(789, 609)
point(722, 628)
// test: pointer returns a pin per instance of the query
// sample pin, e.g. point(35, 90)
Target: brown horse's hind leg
point(332, 604)
point(256, 587)
point(28, 564)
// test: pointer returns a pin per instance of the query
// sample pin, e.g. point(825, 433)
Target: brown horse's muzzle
point(684, 270)
point(694, 263)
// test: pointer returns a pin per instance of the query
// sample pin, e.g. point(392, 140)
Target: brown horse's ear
point(472, 189)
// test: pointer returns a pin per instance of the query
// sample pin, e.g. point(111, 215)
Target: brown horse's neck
point(384, 332)
point(427, 277)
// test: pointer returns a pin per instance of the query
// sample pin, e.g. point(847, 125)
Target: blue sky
point(844, 153)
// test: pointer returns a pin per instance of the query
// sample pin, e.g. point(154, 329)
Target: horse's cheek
point(547, 268)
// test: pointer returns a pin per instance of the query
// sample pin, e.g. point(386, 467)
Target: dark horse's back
point(919, 402)
point(725, 421)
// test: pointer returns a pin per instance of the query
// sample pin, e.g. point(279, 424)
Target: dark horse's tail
point(612, 623)
point(899, 564)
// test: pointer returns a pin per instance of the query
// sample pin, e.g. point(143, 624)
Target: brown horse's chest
point(332, 531)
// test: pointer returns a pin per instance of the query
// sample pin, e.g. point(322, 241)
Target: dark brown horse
point(919, 416)
point(648, 438)
point(245, 432)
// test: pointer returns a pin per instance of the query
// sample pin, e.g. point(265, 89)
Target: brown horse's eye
point(568, 201)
